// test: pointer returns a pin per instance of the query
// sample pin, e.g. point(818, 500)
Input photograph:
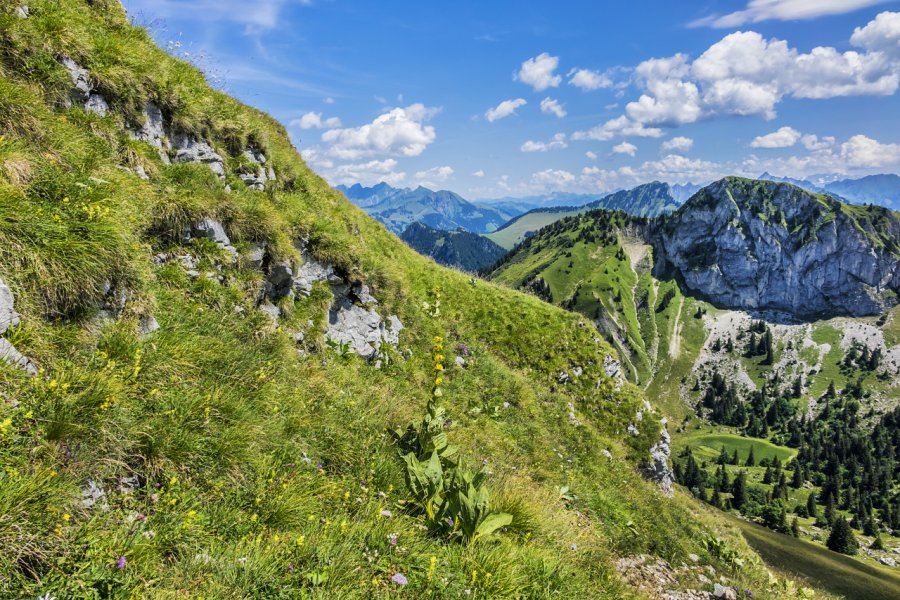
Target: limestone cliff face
point(761, 245)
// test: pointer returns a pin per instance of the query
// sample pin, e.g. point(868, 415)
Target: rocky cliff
point(762, 245)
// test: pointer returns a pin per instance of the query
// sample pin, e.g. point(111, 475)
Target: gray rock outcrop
point(10, 318)
point(23, 12)
point(656, 468)
point(189, 149)
point(768, 246)
point(153, 131)
point(213, 231)
point(260, 174)
point(83, 89)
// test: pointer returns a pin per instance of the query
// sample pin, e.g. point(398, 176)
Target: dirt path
point(675, 343)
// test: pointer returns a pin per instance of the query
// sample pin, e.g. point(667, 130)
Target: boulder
point(23, 12)
point(81, 79)
point(887, 561)
point(8, 316)
point(727, 593)
point(213, 231)
point(656, 467)
point(153, 130)
point(9, 354)
point(256, 256)
point(148, 325)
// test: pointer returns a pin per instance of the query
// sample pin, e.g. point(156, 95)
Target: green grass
point(514, 232)
point(823, 568)
point(708, 445)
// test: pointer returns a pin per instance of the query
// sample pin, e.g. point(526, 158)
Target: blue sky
point(515, 98)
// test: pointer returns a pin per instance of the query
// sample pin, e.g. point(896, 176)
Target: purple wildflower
point(392, 539)
point(290, 567)
point(120, 564)
point(399, 579)
point(449, 521)
point(386, 513)
point(574, 546)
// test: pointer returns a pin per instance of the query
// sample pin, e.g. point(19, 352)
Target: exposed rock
point(611, 366)
point(605, 452)
point(887, 561)
point(460, 362)
point(256, 256)
point(84, 87)
point(148, 325)
point(189, 149)
point(10, 318)
point(23, 12)
point(96, 104)
point(280, 280)
point(256, 179)
point(656, 468)
point(272, 311)
point(362, 328)
point(721, 591)
point(94, 495)
point(562, 377)
point(153, 130)
point(761, 245)
point(214, 231)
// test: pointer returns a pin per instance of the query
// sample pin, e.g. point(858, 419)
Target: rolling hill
point(458, 249)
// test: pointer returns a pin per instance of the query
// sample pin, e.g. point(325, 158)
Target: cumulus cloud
point(552, 107)
point(366, 173)
point(397, 132)
point(314, 120)
point(624, 148)
point(783, 10)
point(588, 80)
point(677, 144)
point(504, 109)
point(813, 142)
point(882, 34)
point(553, 179)
point(591, 155)
point(557, 142)
point(538, 72)
point(434, 176)
point(748, 75)
point(619, 126)
point(479, 173)
point(864, 152)
point(785, 137)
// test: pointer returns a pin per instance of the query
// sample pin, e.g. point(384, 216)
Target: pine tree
point(797, 479)
point(795, 528)
point(812, 509)
point(739, 490)
point(751, 459)
point(841, 538)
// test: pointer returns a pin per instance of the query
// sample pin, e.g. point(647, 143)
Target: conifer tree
point(841, 538)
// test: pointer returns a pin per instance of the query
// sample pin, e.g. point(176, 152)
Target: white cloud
point(588, 80)
point(677, 144)
point(591, 155)
point(813, 142)
point(328, 100)
point(367, 173)
point(625, 148)
point(557, 142)
point(434, 176)
point(746, 74)
point(785, 137)
point(504, 109)
point(784, 10)
point(882, 34)
point(619, 126)
point(397, 132)
point(538, 72)
point(553, 179)
point(479, 173)
point(864, 152)
point(314, 120)
point(670, 102)
point(552, 107)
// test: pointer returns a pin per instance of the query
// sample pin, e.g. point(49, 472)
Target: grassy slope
point(260, 471)
point(835, 572)
point(513, 233)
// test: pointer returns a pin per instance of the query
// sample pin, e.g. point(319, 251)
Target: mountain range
point(882, 189)
point(398, 208)
point(459, 249)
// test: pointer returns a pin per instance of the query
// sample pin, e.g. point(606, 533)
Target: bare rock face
point(256, 179)
point(657, 469)
point(768, 246)
point(10, 318)
point(84, 87)
point(213, 231)
point(189, 149)
point(153, 130)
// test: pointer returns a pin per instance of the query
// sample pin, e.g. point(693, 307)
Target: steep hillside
point(761, 245)
point(458, 249)
point(742, 388)
point(399, 208)
point(648, 200)
point(228, 382)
